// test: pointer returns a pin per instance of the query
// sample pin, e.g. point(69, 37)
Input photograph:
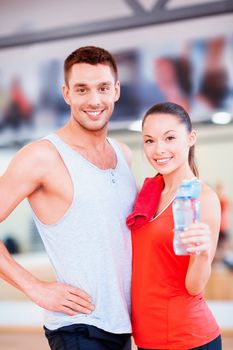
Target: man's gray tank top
point(90, 246)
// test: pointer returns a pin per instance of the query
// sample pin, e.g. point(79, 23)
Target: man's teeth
point(95, 113)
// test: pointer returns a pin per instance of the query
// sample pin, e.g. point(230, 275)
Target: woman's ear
point(192, 137)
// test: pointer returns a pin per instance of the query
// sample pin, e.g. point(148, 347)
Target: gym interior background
point(161, 46)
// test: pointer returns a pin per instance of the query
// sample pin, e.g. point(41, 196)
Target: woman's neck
point(173, 180)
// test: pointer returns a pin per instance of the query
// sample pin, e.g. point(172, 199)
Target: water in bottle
point(186, 210)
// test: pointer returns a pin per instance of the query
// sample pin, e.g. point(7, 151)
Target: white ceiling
point(27, 15)
point(31, 15)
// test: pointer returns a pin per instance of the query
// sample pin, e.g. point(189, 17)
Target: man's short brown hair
point(92, 55)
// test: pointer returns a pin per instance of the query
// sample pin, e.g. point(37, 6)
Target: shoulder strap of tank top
point(118, 150)
point(57, 141)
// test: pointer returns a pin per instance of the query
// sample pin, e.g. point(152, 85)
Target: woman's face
point(167, 142)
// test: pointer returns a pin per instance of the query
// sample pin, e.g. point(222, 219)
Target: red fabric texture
point(164, 314)
point(146, 202)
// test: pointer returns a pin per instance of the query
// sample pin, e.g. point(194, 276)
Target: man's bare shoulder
point(39, 152)
point(28, 171)
point(34, 160)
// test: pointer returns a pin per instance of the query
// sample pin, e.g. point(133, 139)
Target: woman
point(168, 306)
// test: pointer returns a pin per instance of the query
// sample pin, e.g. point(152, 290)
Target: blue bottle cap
point(189, 189)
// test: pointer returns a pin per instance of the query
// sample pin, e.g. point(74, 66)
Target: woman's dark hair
point(183, 118)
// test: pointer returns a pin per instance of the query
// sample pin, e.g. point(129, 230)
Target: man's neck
point(82, 138)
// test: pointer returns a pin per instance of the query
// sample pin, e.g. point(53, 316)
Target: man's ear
point(117, 90)
point(65, 93)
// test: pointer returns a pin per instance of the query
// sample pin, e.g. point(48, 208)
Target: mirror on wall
point(197, 73)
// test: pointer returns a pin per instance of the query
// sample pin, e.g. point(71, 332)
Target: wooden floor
point(36, 340)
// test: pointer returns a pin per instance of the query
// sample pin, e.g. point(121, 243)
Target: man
point(80, 189)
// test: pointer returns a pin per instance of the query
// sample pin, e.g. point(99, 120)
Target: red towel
point(146, 203)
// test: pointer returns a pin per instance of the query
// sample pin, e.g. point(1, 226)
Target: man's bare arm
point(26, 174)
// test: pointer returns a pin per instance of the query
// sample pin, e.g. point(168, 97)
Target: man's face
point(91, 93)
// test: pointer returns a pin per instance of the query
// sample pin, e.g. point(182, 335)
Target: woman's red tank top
point(164, 314)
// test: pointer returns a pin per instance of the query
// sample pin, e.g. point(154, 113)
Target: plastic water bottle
point(186, 211)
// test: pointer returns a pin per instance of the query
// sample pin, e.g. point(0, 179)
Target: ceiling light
point(221, 118)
